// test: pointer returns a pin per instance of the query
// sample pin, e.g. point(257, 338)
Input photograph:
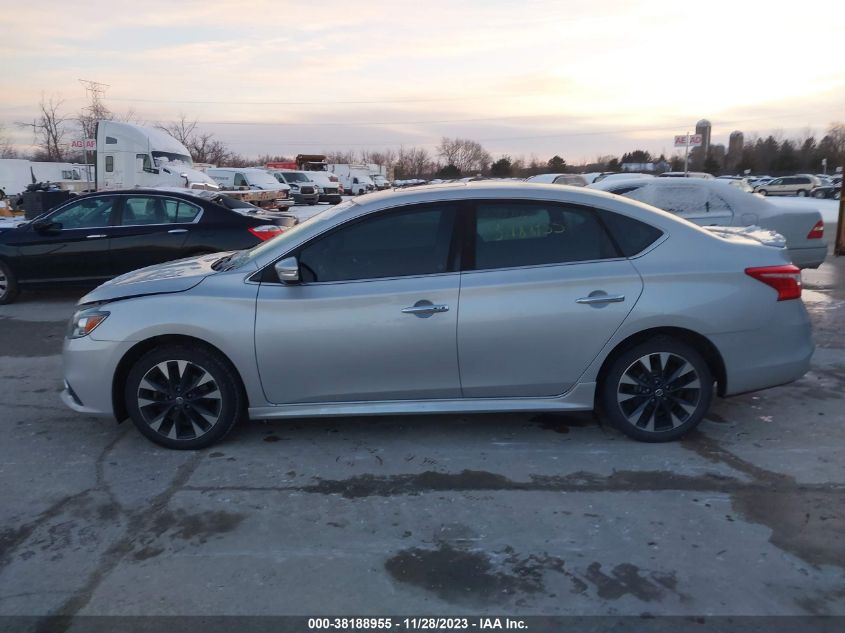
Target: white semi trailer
point(131, 156)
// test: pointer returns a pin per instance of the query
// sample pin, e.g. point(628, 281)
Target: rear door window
point(528, 233)
point(632, 236)
point(180, 211)
point(141, 210)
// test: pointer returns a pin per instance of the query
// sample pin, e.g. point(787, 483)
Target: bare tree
point(347, 157)
point(465, 154)
point(385, 157)
point(49, 129)
point(203, 146)
point(414, 162)
point(182, 130)
point(7, 149)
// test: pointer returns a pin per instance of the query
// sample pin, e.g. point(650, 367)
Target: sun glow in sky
point(579, 79)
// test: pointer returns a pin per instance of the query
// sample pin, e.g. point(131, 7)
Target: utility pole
point(97, 110)
point(839, 248)
point(686, 157)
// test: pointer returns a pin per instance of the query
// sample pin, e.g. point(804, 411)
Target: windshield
point(242, 258)
point(315, 167)
point(261, 178)
point(295, 176)
point(164, 157)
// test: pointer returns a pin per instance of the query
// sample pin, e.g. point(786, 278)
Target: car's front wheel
point(8, 285)
point(183, 398)
point(762, 192)
point(656, 391)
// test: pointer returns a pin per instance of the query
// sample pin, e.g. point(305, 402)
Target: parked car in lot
point(97, 236)
point(302, 188)
point(686, 174)
point(832, 190)
point(716, 202)
point(743, 184)
point(456, 298)
point(575, 180)
point(330, 189)
point(788, 186)
point(381, 182)
point(252, 178)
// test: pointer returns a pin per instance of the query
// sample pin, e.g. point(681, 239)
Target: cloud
point(543, 76)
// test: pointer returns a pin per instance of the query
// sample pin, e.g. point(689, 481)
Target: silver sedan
point(455, 298)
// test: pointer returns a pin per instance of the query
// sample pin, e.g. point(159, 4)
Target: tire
point(837, 195)
point(801, 193)
point(819, 194)
point(762, 192)
point(175, 415)
point(8, 285)
point(656, 414)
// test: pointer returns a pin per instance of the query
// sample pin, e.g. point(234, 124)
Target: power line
point(328, 101)
point(382, 143)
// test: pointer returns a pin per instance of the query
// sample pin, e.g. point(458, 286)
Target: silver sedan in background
point(712, 202)
point(474, 297)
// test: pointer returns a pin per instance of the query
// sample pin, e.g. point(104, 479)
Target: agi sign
point(691, 140)
point(88, 144)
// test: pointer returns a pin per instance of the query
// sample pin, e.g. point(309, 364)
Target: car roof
point(170, 191)
point(494, 190)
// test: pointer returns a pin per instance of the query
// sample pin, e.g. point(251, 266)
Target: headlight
point(84, 322)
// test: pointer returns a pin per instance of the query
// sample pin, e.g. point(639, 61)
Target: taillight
point(266, 231)
point(817, 232)
point(785, 279)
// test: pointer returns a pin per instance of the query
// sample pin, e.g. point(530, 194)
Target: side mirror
point(47, 227)
point(287, 269)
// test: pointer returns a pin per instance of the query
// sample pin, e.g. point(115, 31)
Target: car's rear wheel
point(8, 285)
point(819, 194)
point(801, 193)
point(182, 397)
point(656, 391)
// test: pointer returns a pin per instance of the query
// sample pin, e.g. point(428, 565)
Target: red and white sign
point(693, 140)
point(88, 144)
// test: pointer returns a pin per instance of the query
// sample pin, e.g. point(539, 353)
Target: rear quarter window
point(632, 236)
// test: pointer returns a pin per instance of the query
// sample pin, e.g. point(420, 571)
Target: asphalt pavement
point(471, 514)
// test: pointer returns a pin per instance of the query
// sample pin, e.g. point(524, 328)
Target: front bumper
point(306, 198)
point(89, 369)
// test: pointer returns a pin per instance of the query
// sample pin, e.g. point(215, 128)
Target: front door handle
point(599, 299)
point(96, 236)
point(178, 231)
point(425, 309)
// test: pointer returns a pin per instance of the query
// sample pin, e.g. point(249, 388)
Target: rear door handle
point(96, 236)
point(425, 309)
point(178, 231)
point(600, 299)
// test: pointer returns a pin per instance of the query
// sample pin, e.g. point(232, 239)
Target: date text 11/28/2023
point(421, 623)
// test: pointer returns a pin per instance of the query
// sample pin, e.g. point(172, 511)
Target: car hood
point(177, 276)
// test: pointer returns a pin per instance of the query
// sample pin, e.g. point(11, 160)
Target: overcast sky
point(577, 79)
